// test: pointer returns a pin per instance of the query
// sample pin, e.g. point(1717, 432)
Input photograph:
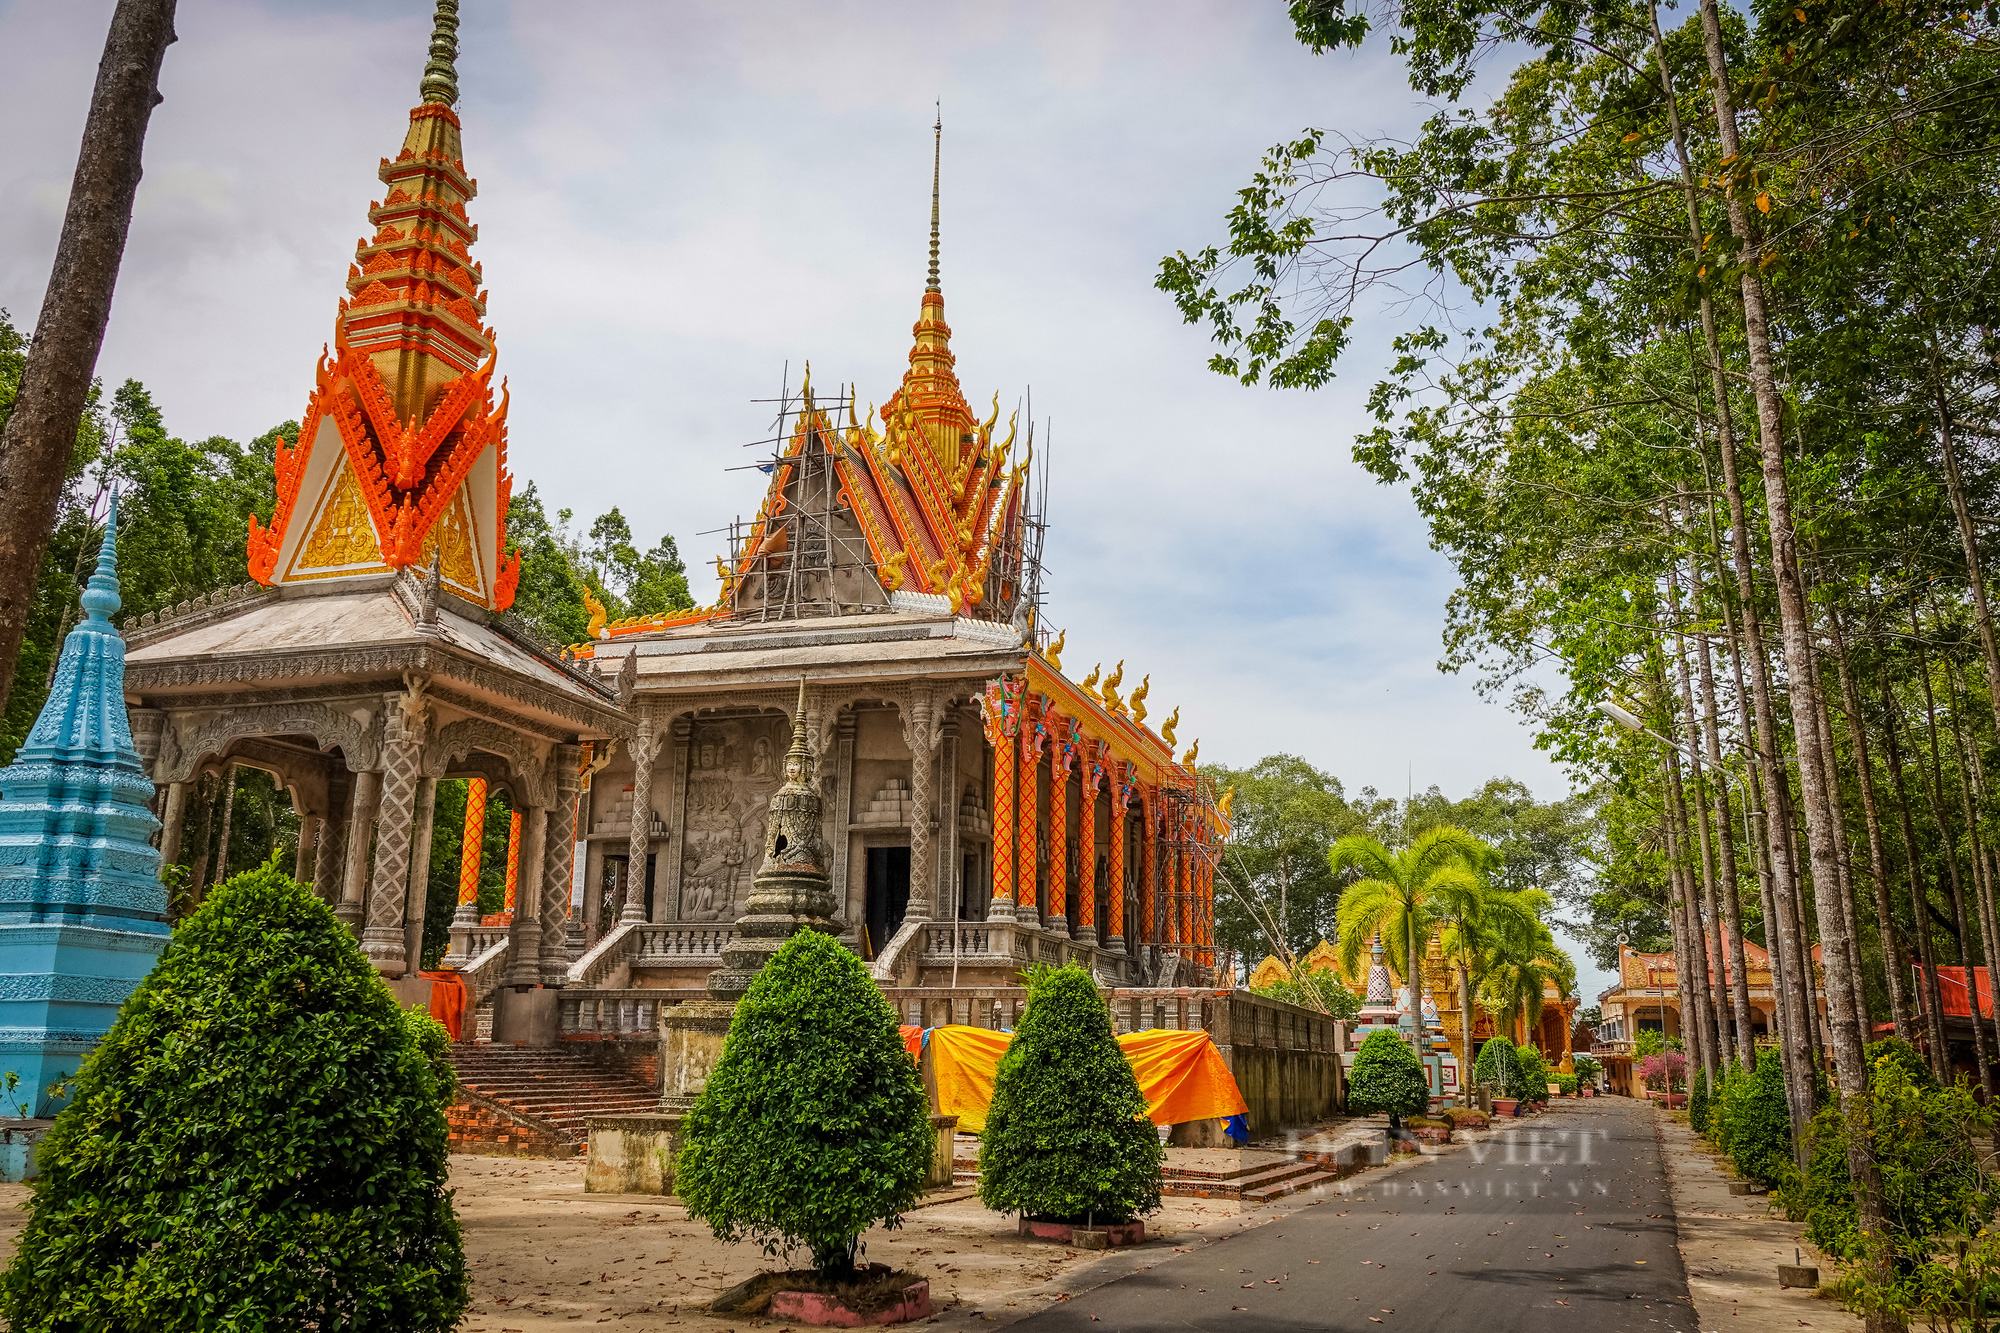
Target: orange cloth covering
point(447, 1001)
point(913, 1040)
point(1181, 1074)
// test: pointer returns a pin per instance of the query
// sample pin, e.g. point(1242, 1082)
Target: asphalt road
point(1564, 1223)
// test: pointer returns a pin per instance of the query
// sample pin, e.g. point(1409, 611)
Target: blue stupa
point(83, 914)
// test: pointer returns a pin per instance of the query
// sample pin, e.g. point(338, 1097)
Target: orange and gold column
point(1034, 734)
point(1086, 840)
point(513, 860)
point(1185, 875)
point(1114, 889)
point(1062, 748)
point(999, 724)
point(472, 842)
point(1149, 818)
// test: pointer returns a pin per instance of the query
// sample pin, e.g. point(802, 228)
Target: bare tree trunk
point(1708, 968)
point(1980, 996)
point(1829, 767)
point(40, 434)
point(1948, 843)
point(1989, 923)
point(1885, 923)
point(1919, 900)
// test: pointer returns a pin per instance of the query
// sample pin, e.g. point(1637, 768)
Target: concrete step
point(1292, 1184)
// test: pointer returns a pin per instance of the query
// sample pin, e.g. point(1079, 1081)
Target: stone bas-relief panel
point(734, 766)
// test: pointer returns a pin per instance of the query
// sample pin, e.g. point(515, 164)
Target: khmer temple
point(980, 809)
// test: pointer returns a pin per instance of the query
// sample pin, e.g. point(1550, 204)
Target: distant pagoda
point(83, 914)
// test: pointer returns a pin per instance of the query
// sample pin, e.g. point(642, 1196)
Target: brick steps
point(535, 1101)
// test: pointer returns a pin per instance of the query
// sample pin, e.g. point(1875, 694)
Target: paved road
point(1563, 1225)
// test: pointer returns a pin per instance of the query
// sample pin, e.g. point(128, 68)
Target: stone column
point(524, 950)
point(305, 862)
point(645, 745)
point(950, 890)
point(1027, 861)
point(667, 885)
point(173, 820)
point(420, 877)
point(1086, 847)
point(557, 850)
point(843, 812)
point(389, 888)
point(920, 735)
point(331, 842)
point(1149, 880)
point(360, 831)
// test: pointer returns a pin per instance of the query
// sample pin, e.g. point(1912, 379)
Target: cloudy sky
point(678, 200)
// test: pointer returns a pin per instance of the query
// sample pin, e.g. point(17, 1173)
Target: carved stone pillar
point(360, 831)
point(1062, 749)
point(172, 821)
point(645, 745)
point(1000, 720)
point(306, 861)
point(557, 851)
point(1115, 895)
point(1027, 860)
point(843, 812)
point(148, 726)
point(524, 949)
point(920, 733)
point(667, 886)
point(388, 895)
point(471, 848)
point(420, 877)
point(327, 861)
point(949, 889)
point(1149, 879)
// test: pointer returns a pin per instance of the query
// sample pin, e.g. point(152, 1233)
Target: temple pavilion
point(982, 810)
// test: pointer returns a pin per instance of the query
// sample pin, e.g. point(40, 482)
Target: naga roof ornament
point(402, 451)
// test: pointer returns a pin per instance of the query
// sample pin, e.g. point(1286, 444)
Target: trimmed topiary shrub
point(813, 1126)
point(1760, 1123)
point(1387, 1076)
point(1698, 1102)
point(1566, 1084)
point(1535, 1077)
point(1499, 1065)
point(258, 1143)
point(1067, 1138)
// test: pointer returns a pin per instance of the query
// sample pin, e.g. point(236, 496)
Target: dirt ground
point(544, 1255)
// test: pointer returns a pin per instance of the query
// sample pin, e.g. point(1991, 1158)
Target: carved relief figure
point(734, 771)
point(760, 759)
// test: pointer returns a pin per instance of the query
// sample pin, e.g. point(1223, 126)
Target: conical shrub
point(1067, 1136)
point(258, 1143)
point(1387, 1076)
point(813, 1126)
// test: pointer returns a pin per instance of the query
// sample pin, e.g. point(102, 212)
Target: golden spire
point(440, 81)
point(937, 158)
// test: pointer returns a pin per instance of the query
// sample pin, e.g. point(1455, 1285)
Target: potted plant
point(1499, 1065)
point(1666, 1074)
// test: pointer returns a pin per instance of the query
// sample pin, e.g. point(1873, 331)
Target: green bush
point(258, 1143)
point(1535, 1078)
point(1587, 1069)
point(1319, 990)
point(1932, 1185)
point(1907, 1057)
point(1498, 1064)
point(813, 1125)
point(1067, 1137)
point(1567, 1083)
point(1759, 1122)
point(1698, 1102)
point(1387, 1076)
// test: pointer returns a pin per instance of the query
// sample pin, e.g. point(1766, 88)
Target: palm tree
point(1394, 896)
point(1472, 927)
point(1524, 961)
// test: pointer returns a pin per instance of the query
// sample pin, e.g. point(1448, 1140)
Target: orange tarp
point(1181, 1074)
point(447, 1000)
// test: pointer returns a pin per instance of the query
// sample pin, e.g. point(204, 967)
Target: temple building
point(982, 810)
point(373, 656)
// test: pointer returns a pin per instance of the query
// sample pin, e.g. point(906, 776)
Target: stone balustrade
point(1014, 945)
point(608, 1014)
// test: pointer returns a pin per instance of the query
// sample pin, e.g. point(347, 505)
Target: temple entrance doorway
point(888, 893)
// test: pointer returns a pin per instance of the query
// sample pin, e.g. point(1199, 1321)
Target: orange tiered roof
point(402, 454)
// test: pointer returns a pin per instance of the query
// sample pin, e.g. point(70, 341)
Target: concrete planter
point(821, 1309)
point(1103, 1237)
point(1676, 1101)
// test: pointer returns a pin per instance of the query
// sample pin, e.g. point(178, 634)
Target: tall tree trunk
point(1980, 994)
point(1829, 765)
point(1949, 845)
point(1885, 922)
point(1783, 870)
point(1989, 922)
point(1919, 900)
point(40, 434)
point(1708, 969)
point(1849, 1061)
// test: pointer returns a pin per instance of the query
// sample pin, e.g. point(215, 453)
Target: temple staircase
point(535, 1101)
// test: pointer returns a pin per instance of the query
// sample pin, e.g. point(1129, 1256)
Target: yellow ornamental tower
point(402, 452)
